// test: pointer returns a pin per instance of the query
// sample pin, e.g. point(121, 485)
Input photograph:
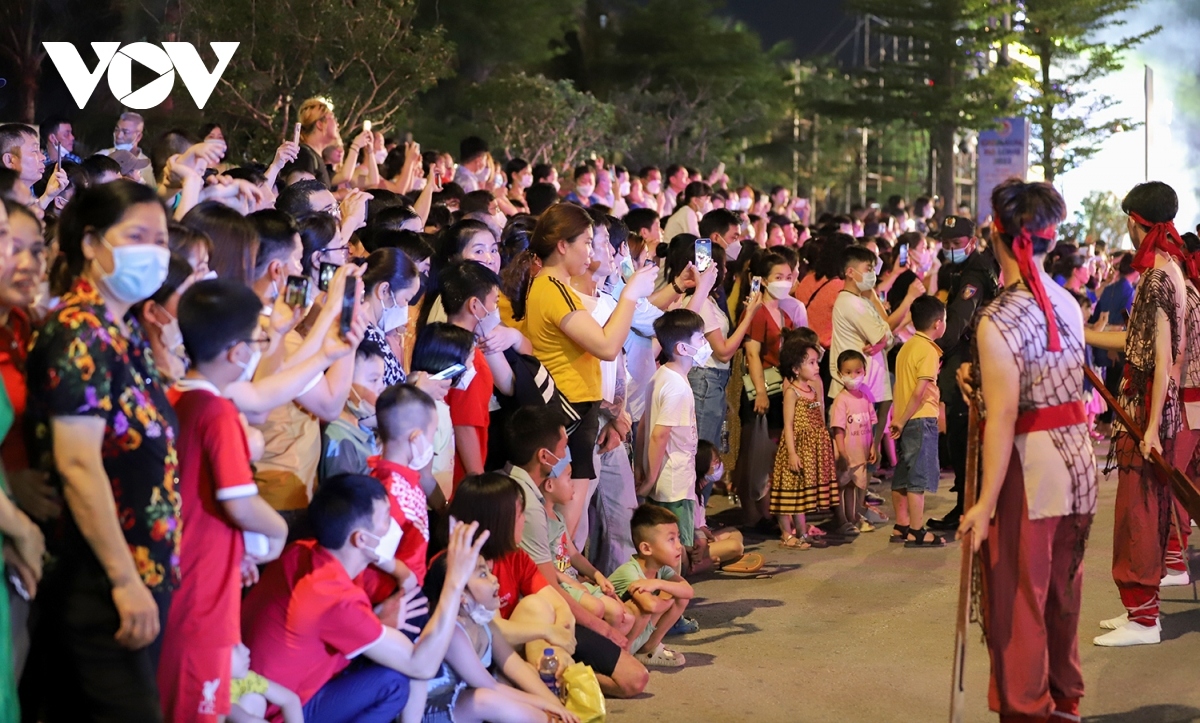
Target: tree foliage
point(542, 120)
point(365, 55)
point(1098, 218)
point(1064, 36)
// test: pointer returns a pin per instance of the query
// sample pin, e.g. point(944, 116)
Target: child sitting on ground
point(582, 581)
point(804, 479)
point(650, 586)
point(852, 420)
point(725, 548)
point(465, 689)
point(915, 424)
point(250, 693)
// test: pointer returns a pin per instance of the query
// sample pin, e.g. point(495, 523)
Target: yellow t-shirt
point(252, 683)
point(576, 373)
point(919, 358)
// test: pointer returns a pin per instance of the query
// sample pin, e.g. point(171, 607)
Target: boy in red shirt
point(471, 298)
point(220, 502)
point(407, 421)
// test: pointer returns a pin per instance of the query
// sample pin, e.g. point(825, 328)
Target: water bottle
point(548, 670)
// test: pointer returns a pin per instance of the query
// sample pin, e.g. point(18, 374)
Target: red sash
point(1191, 394)
point(1046, 418)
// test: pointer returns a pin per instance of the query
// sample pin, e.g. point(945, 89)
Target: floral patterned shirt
point(81, 365)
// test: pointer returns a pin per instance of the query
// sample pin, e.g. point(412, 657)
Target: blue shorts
point(918, 469)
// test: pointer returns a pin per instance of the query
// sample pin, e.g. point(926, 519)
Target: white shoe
point(1129, 634)
point(1114, 623)
point(1178, 579)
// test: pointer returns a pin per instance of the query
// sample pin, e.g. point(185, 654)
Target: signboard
point(1003, 154)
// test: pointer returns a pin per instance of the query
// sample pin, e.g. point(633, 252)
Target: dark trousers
point(366, 692)
point(77, 671)
point(1112, 382)
point(956, 446)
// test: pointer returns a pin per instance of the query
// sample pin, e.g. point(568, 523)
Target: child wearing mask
point(349, 441)
point(852, 421)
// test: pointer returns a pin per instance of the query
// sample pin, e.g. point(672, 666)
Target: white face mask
point(138, 271)
point(465, 380)
point(779, 289)
point(488, 323)
point(702, 354)
point(380, 156)
point(172, 337)
point(393, 317)
point(624, 188)
point(421, 452)
point(654, 187)
point(584, 191)
point(851, 383)
point(209, 275)
point(122, 146)
point(479, 614)
point(716, 474)
point(525, 180)
point(878, 266)
point(418, 184)
point(385, 549)
point(867, 282)
point(250, 366)
point(557, 187)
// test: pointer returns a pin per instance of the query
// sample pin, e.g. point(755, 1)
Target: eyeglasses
point(334, 210)
point(336, 249)
point(263, 341)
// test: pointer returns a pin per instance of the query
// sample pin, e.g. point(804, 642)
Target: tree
point(688, 83)
point(937, 66)
point(1063, 36)
point(364, 55)
point(542, 120)
point(1098, 218)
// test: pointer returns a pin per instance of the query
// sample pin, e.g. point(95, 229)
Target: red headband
point(1161, 237)
point(1191, 266)
point(1022, 247)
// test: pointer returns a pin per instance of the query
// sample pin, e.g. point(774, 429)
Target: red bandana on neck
point(1022, 247)
point(1161, 237)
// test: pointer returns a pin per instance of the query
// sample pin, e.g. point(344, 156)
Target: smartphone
point(449, 372)
point(296, 134)
point(755, 285)
point(296, 292)
point(650, 261)
point(348, 301)
point(366, 126)
point(904, 254)
point(326, 275)
point(703, 254)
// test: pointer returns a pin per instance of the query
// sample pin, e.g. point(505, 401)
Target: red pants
point(1181, 530)
point(1033, 572)
point(1140, 531)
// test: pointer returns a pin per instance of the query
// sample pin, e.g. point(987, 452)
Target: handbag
point(772, 378)
point(583, 698)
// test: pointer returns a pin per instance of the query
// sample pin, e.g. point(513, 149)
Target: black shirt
point(969, 286)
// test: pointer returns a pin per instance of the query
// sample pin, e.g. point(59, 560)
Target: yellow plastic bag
point(584, 698)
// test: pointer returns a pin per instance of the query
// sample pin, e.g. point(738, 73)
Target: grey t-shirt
point(535, 540)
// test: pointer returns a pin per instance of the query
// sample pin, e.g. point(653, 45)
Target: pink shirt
point(855, 414)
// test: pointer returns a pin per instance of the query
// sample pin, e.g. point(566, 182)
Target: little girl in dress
point(805, 477)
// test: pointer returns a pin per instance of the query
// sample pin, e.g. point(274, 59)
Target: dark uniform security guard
point(970, 278)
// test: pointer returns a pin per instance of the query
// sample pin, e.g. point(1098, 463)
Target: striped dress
point(815, 487)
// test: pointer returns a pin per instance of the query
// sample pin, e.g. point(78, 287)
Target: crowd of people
point(369, 432)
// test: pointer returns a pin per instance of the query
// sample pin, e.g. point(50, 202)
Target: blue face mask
point(557, 470)
point(957, 256)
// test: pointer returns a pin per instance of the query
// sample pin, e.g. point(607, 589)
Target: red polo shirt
point(410, 510)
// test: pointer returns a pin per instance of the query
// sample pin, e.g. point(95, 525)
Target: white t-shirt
point(684, 220)
point(443, 441)
point(857, 324)
point(639, 353)
point(672, 404)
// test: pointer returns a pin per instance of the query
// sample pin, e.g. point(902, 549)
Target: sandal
point(661, 658)
point(794, 543)
point(899, 533)
point(919, 535)
point(814, 531)
point(815, 542)
point(750, 562)
point(848, 530)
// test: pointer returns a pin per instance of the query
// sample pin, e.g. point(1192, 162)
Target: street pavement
point(865, 632)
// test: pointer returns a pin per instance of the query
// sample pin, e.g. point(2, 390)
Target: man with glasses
point(126, 137)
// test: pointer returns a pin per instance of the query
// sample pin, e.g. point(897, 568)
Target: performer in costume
point(1150, 394)
point(1038, 476)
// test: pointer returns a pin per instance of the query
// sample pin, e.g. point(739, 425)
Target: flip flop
point(814, 531)
point(662, 658)
point(750, 562)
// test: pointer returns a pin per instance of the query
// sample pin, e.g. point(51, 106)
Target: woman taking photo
point(565, 337)
point(105, 429)
point(389, 281)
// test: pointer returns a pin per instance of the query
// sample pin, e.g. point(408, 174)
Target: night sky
point(811, 27)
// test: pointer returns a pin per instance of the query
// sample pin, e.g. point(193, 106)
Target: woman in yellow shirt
point(565, 337)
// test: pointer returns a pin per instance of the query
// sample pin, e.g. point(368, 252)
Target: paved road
point(865, 632)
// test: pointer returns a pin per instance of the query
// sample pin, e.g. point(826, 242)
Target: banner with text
point(1003, 154)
